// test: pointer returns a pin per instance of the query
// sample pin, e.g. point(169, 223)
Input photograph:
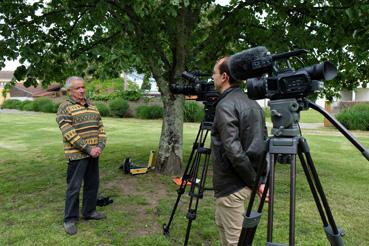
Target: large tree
point(102, 38)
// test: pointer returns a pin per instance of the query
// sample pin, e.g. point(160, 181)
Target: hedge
point(118, 107)
point(149, 112)
point(193, 112)
point(102, 108)
point(355, 117)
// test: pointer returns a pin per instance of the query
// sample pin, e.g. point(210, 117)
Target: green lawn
point(32, 171)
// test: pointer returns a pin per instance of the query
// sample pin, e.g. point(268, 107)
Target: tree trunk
point(169, 158)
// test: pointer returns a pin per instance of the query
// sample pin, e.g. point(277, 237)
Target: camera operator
point(238, 149)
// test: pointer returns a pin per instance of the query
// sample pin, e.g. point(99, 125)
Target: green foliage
point(103, 87)
point(12, 104)
point(27, 105)
point(103, 108)
point(43, 104)
point(47, 106)
point(149, 112)
point(130, 95)
point(126, 95)
point(193, 112)
point(118, 107)
point(56, 106)
point(355, 117)
point(146, 85)
point(99, 97)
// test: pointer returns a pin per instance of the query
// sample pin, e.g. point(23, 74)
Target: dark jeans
point(87, 170)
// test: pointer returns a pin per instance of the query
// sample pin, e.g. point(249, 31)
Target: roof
point(37, 91)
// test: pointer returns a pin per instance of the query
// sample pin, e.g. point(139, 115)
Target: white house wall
point(346, 95)
point(362, 94)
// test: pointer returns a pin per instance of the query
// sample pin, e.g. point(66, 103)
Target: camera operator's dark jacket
point(238, 142)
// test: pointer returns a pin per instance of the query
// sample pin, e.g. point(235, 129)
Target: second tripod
point(199, 159)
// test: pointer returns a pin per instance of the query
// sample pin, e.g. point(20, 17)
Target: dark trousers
point(86, 170)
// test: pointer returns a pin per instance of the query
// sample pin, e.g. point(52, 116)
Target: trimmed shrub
point(12, 104)
point(27, 105)
point(56, 107)
point(149, 112)
point(193, 112)
point(43, 104)
point(129, 95)
point(355, 117)
point(102, 108)
point(39, 103)
point(118, 107)
point(47, 107)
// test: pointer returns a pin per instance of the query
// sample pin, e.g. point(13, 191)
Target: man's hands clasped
point(95, 152)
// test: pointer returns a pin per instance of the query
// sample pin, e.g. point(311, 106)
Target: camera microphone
point(250, 63)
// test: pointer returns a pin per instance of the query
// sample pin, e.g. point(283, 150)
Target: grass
point(33, 173)
point(306, 116)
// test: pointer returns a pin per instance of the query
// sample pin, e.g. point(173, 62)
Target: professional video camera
point(279, 83)
point(202, 90)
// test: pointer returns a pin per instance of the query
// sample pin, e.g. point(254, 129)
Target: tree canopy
point(102, 38)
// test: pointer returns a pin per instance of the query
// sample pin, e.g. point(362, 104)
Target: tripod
point(285, 144)
point(190, 175)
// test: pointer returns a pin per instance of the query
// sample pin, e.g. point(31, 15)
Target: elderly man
point(84, 140)
point(238, 149)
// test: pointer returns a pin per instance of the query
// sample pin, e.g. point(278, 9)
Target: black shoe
point(95, 216)
point(70, 228)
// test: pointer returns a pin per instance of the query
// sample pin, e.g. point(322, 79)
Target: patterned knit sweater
point(81, 127)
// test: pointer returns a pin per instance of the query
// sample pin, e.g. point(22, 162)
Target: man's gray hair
point(68, 82)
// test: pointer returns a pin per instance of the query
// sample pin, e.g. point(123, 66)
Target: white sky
point(10, 65)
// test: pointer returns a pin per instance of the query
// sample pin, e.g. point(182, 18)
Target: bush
point(43, 104)
point(118, 107)
point(56, 107)
point(129, 95)
point(12, 104)
point(39, 103)
point(149, 112)
point(27, 105)
point(102, 108)
point(193, 112)
point(355, 117)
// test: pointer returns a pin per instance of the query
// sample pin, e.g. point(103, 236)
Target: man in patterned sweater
point(84, 140)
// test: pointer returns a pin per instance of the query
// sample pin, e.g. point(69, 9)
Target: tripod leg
point(333, 233)
point(188, 173)
point(252, 218)
point(197, 189)
point(271, 180)
point(292, 199)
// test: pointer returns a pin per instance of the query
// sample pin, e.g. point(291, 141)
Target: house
point(5, 77)
point(20, 92)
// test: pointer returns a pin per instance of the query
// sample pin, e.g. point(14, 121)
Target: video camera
point(255, 63)
point(202, 90)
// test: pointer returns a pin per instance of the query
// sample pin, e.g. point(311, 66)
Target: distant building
point(22, 93)
point(5, 77)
